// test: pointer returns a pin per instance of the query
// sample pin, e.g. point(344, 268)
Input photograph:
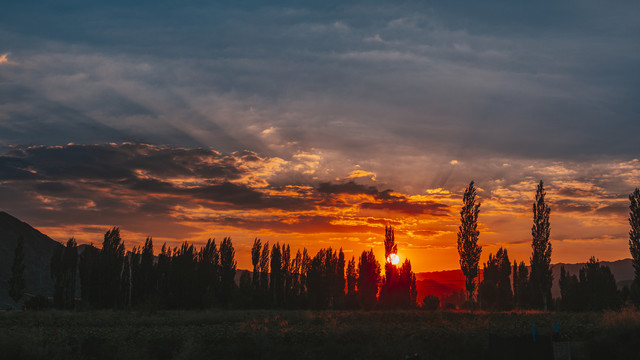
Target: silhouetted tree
point(275, 283)
point(147, 272)
point(16, 281)
point(570, 297)
point(243, 300)
point(389, 292)
point(521, 292)
point(296, 275)
point(305, 267)
point(112, 261)
point(255, 261)
point(209, 272)
point(184, 289)
point(634, 243)
point(495, 289)
point(368, 279)
point(599, 286)
point(64, 263)
point(163, 272)
point(413, 290)
point(318, 287)
point(468, 247)
point(227, 270)
point(285, 267)
point(338, 283)
point(594, 290)
point(130, 270)
point(351, 300)
point(90, 275)
point(541, 278)
point(406, 281)
point(264, 274)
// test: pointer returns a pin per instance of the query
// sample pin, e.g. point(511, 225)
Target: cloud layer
point(177, 194)
point(287, 119)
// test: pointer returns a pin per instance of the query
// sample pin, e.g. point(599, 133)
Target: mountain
point(38, 249)
point(444, 283)
point(622, 270)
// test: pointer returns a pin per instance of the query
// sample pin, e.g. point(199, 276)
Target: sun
point(393, 259)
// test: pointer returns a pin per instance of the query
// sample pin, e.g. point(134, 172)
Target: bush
point(430, 303)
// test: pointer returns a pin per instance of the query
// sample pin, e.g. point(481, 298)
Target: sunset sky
point(317, 125)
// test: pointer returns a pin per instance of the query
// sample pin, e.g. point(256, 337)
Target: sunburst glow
point(393, 259)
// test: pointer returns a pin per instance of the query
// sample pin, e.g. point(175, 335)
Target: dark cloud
point(409, 208)
point(313, 224)
point(116, 162)
point(573, 206)
point(621, 210)
point(350, 188)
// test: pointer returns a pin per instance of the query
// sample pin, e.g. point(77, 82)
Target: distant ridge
point(38, 249)
point(443, 283)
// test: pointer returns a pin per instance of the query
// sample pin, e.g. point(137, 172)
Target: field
point(311, 335)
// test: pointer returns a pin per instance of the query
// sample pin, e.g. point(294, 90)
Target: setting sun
point(393, 259)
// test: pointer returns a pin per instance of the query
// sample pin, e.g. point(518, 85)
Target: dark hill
point(38, 249)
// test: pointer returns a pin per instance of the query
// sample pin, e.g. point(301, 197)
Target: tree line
point(506, 286)
point(187, 277)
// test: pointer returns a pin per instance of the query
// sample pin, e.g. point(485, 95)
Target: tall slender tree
point(390, 282)
point(634, 243)
point(275, 283)
point(541, 278)
point(147, 278)
point(227, 270)
point(468, 247)
point(112, 261)
point(64, 264)
point(264, 274)
point(255, 261)
point(368, 279)
point(16, 281)
point(352, 276)
point(209, 272)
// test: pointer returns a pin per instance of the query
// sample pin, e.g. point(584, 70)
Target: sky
point(317, 125)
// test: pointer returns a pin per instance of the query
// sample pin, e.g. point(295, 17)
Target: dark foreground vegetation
point(271, 334)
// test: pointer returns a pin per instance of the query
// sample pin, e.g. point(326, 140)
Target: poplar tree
point(264, 274)
point(147, 278)
point(468, 247)
point(634, 243)
point(64, 264)
point(228, 266)
point(255, 261)
point(541, 277)
point(368, 279)
point(275, 283)
point(112, 261)
point(352, 276)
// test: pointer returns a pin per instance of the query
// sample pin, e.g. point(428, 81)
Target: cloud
point(4, 60)
point(361, 173)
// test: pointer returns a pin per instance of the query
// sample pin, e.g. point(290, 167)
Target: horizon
point(319, 125)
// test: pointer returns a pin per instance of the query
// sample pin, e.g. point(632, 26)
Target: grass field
point(308, 335)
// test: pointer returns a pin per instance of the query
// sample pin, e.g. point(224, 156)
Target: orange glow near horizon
point(586, 219)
